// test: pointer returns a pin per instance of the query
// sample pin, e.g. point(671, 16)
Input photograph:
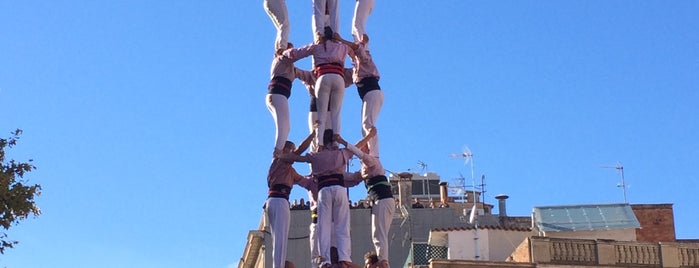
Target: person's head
point(328, 33)
point(289, 264)
point(371, 260)
point(328, 135)
point(279, 51)
point(289, 146)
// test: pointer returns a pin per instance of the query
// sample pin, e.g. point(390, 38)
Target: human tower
point(327, 182)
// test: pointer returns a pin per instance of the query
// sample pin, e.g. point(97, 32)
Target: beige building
point(592, 235)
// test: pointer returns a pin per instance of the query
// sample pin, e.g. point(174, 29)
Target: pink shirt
point(282, 172)
point(323, 53)
point(363, 64)
point(328, 161)
point(282, 66)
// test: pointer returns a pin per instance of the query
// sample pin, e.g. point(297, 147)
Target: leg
point(341, 217)
point(323, 87)
point(361, 13)
point(312, 118)
point(381, 219)
point(325, 221)
point(279, 216)
point(334, 15)
point(337, 87)
point(276, 9)
point(318, 18)
point(313, 242)
point(371, 106)
point(278, 106)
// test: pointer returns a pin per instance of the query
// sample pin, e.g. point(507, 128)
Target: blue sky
point(147, 122)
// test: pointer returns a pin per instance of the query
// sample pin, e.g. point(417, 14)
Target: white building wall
point(494, 245)
point(462, 245)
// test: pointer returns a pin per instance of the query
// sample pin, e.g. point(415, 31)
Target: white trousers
point(276, 9)
point(278, 217)
point(381, 219)
point(319, 21)
point(330, 90)
point(313, 242)
point(312, 118)
point(371, 106)
point(333, 215)
point(361, 13)
point(278, 106)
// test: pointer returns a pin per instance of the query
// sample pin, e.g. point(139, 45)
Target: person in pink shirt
point(280, 177)
point(378, 192)
point(328, 58)
point(282, 73)
point(311, 184)
point(327, 166)
point(366, 77)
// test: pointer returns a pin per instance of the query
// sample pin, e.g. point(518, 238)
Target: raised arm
point(339, 38)
point(305, 143)
point(363, 142)
point(356, 151)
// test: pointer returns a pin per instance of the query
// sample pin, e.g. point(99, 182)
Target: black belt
point(280, 85)
point(279, 190)
point(367, 84)
point(330, 180)
point(378, 188)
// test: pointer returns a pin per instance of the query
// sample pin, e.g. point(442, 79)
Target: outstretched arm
point(294, 157)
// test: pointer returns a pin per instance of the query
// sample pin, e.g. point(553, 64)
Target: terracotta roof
point(489, 227)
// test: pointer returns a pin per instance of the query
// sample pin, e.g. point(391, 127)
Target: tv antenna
point(459, 186)
point(467, 155)
point(422, 165)
point(621, 185)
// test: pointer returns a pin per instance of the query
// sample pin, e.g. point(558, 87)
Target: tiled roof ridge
point(489, 227)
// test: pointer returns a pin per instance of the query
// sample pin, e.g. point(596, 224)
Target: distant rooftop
point(585, 217)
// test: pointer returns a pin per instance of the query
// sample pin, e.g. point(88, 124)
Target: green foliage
point(16, 197)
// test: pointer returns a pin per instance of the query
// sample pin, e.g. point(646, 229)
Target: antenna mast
point(622, 185)
point(423, 166)
point(473, 219)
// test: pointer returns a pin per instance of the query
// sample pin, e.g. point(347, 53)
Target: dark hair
point(328, 137)
point(289, 144)
point(328, 33)
point(372, 257)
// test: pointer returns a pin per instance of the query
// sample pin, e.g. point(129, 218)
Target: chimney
point(502, 214)
point(443, 192)
point(405, 189)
